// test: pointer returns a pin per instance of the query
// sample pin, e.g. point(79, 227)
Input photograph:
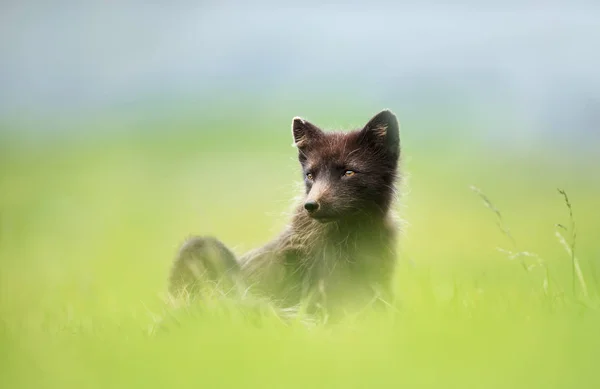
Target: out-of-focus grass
point(88, 228)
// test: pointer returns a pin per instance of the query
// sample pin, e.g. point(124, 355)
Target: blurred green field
point(90, 223)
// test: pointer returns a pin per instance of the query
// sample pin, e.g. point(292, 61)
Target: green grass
point(88, 228)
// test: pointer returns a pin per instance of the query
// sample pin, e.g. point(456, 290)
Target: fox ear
point(304, 132)
point(383, 131)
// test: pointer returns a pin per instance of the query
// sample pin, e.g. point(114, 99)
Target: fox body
point(338, 251)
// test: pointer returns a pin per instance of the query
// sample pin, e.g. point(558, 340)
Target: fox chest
point(345, 268)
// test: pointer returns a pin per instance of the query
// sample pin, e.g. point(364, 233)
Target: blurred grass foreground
point(488, 292)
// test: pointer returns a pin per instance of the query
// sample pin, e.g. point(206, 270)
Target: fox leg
point(202, 263)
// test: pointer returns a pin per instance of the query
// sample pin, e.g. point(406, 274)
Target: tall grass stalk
point(577, 274)
point(516, 253)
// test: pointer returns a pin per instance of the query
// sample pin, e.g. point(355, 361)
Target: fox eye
point(309, 176)
point(349, 173)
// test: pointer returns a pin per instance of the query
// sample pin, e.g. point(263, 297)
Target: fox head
point(348, 175)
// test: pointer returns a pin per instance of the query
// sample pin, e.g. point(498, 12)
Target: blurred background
point(519, 71)
point(127, 126)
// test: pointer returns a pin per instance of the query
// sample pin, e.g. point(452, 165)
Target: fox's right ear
point(304, 132)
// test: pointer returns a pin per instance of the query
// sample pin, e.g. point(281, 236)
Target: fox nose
point(311, 206)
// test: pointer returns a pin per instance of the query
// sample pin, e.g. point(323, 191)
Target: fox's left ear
point(383, 131)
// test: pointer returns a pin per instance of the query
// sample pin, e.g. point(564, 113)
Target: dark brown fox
point(338, 252)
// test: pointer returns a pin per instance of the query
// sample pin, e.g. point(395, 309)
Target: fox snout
point(311, 206)
point(318, 210)
point(314, 205)
point(317, 204)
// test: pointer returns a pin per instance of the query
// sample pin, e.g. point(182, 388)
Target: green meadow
point(503, 293)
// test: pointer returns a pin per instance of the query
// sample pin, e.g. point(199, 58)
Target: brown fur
point(340, 253)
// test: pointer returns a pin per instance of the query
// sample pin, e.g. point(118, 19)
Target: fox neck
point(338, 230)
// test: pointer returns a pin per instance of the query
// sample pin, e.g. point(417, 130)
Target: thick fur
point(203, 263)
point(338, 252)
